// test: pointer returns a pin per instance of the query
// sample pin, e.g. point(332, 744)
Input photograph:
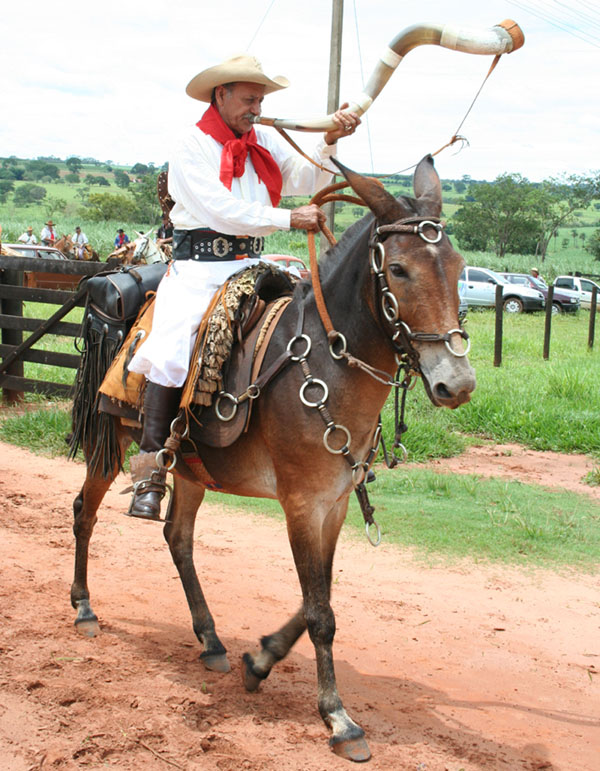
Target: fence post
point(592, 328)
point(498, 334)
point(12, 307)
point(548, 324)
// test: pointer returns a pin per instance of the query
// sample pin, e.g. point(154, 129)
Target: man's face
point(238, 104)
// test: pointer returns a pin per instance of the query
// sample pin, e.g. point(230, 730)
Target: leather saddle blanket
point(230, 346)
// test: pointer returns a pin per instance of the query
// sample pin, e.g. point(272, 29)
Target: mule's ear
point(426, 184)
point(383, 204)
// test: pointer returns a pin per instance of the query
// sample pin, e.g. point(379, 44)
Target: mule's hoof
point(217, 662)
point(89, 628)
point(356, 750)
point(250, 678)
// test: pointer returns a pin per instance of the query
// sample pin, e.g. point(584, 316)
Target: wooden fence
point(25, 279)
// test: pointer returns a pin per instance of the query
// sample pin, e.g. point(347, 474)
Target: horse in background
point(74, 252)
point(141, 251)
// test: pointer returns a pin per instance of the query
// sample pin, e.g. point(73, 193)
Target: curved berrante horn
point(500, 39)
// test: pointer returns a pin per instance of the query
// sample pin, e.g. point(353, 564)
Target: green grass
point(456, 517)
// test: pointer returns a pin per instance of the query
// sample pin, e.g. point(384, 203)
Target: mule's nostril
point(441, 391)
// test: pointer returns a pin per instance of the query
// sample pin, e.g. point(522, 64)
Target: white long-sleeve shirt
point(202, 201)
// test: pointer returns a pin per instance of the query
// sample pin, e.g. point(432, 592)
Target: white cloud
point(108, 81)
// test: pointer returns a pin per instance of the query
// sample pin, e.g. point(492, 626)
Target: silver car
point(478, 288)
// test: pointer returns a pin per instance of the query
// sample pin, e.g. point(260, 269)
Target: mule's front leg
point(179, 534)
point(313, 554)
point(347, 738)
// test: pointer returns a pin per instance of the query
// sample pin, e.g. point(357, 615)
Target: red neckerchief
point(235, 151)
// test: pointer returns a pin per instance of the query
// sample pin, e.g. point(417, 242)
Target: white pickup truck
point(584, 286)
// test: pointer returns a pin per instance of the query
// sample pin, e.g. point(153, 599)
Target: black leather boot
point(149, 478)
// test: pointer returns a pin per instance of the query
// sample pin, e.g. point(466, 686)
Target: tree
point(6, 187)
point(498, 217)
point(593, 244)
point(574, 237)
point(72, 178)
point(54, 205)
point(557, 201)
point(108, 206)
point(122, 179)
point(140, 169)
point(74, 164)
point(38, 169)
point(29, 193)
point(146, 199)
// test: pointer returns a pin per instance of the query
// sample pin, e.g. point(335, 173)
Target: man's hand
point(347, 123)
point(307, 217)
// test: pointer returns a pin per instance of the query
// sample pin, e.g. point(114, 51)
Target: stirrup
point(136, 492)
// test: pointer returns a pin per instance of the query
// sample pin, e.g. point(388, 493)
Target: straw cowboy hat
point(239, 68)
point(50, 223)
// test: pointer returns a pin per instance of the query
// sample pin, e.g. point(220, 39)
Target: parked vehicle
point(42, 280)
point(287, 262)
point(585, 287)
point(563, 301)
point(480, 291)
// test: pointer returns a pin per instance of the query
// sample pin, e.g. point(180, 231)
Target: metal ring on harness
point(317, 382)
point(438, 227)
point(359, 478)
point(389, 306)
point(161, 459)
point(308, 341)
point(368, 531)
point(340, 355)
point(329, 431)
point(377, 266)
point(232, 399)
point(464, 336)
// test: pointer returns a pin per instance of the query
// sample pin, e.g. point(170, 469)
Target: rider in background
point(121, 239)
point(48, 235)
point(79, 241)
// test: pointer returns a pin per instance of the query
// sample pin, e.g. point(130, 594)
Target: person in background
point(79, 241)
point(121, 239)
point(164, 234)
point(48, 235)
point(28, 237)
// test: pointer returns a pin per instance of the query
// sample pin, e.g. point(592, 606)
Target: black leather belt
point(209, 246)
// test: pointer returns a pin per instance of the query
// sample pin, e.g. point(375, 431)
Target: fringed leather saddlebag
point(113, 302)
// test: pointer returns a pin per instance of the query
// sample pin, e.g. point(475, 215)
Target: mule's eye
point(397, 270)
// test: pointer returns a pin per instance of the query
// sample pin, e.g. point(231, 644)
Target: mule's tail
point(93, 431)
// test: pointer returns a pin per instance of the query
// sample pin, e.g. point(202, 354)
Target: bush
point(29, 193)
point(108, 206)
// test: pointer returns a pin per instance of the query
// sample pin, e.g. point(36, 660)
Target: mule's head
point(420, 269)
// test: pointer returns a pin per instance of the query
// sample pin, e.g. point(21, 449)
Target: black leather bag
point(120, 295)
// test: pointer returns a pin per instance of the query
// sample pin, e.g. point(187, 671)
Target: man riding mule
point(226, 179)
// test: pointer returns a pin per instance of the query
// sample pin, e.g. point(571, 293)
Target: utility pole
point(333, 91)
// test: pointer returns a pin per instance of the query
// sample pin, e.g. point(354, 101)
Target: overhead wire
point(362, 78)
point(261, 22)
point(542, 13)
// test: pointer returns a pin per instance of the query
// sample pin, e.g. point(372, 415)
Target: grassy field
point(565, 254)
point(540, 404)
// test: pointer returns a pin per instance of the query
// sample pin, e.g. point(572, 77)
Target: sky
point(107, 80)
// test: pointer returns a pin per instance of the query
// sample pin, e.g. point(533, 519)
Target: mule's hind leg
point(179, 534)
point(313, 550)
point(84, 510)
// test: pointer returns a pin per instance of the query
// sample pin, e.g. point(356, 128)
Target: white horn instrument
point(500, 39)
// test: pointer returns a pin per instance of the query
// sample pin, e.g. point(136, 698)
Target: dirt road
point(466, 667)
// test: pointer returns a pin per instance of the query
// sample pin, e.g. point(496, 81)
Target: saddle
point(228, 354)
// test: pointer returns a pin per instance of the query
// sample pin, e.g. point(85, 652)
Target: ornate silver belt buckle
point(220, 247)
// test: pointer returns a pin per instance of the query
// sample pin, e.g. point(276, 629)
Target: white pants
point(182, 298)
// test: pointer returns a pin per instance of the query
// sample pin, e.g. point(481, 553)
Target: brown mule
point(390, 293)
